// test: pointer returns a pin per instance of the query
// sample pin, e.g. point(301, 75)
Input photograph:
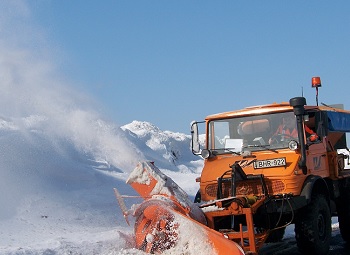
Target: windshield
point(253, 133)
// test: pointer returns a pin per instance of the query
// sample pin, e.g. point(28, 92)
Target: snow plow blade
point(168, 220)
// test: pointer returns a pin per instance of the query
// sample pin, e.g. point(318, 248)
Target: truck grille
point(246, 188)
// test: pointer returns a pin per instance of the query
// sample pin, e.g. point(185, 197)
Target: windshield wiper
point(260, 146)
point(232, 150)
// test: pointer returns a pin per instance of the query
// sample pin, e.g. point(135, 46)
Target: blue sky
point(171, 62)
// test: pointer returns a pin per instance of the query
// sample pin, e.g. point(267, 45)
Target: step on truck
point(265, 167)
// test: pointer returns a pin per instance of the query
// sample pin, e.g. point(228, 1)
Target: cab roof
point(253, 110)
point(274, 108)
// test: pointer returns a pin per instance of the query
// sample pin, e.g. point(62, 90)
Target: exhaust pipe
point(298, 104)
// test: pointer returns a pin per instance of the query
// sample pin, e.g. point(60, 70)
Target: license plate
point(269, 163)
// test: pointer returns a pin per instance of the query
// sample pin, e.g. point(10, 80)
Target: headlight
point(205, 153)
point(293, 145)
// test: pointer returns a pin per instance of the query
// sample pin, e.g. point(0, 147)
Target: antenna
point(302, 91)
point(315, 83)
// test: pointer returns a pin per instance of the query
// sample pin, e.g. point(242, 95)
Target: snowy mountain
point(171, 150)
point(56, 185)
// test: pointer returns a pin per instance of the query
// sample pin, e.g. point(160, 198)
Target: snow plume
point(55, 151)
point(35, 96)
point(59, 157)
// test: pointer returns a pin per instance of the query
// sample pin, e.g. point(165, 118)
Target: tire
point(343, 208)
point(313, 227)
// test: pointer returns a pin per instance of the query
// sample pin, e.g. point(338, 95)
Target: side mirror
point(195, 146)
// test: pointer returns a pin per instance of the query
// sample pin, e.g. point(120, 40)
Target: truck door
point(316, 159)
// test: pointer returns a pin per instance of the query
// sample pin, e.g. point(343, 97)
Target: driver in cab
point(288, 130)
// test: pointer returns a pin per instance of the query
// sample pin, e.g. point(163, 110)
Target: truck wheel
point(313, 227)
point(343, 209)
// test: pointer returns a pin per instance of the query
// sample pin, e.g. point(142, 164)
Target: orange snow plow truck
point(265, 167)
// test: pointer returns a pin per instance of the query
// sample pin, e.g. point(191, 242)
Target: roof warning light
point(316, 82)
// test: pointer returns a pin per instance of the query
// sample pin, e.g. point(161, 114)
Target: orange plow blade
point(168, 221)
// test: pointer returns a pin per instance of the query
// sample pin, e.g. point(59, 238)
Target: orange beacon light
point(315, 83)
